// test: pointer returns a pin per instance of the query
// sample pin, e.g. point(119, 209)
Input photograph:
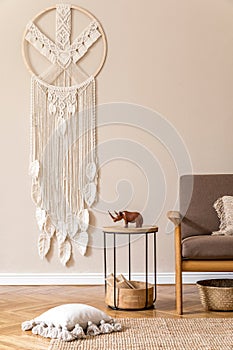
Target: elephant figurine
point(128, 216)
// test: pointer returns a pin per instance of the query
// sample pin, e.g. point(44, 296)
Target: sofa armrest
point(175, 217)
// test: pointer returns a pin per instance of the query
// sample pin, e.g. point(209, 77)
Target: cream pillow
point(71, 321)
point(224, 209)
point(68, 315)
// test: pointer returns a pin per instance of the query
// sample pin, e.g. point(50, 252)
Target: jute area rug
point(158, 334)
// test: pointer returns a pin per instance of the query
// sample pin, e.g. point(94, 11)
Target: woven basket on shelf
point(128, 299)
point(216, 294)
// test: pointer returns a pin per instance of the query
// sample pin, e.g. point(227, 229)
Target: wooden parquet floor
point(21, 303)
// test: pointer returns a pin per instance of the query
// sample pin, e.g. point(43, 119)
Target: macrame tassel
point(106, 327)
point(27, 325)
point(55, 333)
point(117, 327)
point(38, 329)
point(78, 332)
point(63, 167)
point(66, 335)
point(92, 329)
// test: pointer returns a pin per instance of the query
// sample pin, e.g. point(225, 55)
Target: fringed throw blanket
point(63, 137)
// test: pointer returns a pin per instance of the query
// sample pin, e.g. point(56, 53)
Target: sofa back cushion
point(197, 196)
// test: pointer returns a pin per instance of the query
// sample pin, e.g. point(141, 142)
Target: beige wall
point(174, 57)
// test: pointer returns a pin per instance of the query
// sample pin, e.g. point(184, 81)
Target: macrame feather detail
point(63, 139)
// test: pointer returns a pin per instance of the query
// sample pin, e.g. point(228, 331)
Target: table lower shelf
point(130, 299)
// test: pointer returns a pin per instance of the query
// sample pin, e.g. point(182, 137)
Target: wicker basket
point(128, 299)
point(216, 294)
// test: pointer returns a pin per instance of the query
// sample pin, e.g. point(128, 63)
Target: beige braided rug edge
point(158, 334)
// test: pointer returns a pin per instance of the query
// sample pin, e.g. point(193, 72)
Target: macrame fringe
point(50, 331)
point(63, 163)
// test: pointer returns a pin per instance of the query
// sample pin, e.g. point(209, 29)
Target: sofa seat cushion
point(207, 247)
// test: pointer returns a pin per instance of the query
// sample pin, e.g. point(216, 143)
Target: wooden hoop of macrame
point(63, 162)
point(76, 8)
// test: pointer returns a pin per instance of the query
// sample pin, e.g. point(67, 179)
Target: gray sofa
point(196, 248)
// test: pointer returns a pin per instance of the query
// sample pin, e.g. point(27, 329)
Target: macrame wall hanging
point(63, 129)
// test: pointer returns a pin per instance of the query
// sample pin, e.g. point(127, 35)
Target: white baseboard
point(97, 278)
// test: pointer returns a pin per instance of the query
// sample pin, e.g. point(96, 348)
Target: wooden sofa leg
point(179, 296)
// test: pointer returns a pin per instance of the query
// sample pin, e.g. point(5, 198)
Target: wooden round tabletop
point(121, 229)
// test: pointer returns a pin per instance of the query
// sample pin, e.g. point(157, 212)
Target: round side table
point(130, 231)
